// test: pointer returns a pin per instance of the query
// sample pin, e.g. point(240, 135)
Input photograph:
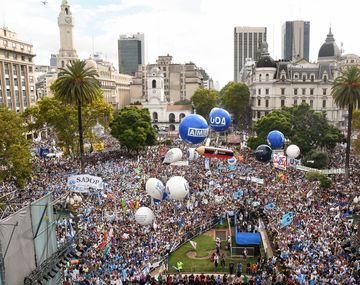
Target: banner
point(207, 163)
point(252, 179)
point(98, 146)
point(193, 244)
point(279, 161)
point(84, 181)
point(180, 163)
point(287, 219)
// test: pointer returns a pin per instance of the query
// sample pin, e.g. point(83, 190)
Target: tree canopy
point(62, 119)
point(346, 94)
point(301, 125)
point(14, 148)
point(236, 100)
point(77, 85)
point(204, 100)
point(132, 127)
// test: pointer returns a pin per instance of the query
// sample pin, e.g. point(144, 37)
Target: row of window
point(171, 117)
point(282, 103)
point(295, 91)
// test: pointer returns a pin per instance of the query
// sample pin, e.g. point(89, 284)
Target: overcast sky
point(200, 31)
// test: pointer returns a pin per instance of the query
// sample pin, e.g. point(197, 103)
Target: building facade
point(165, 116)
point(17, 82)
point(180, 80)
point(295, 40)
point(115, 86)
point(247, 41)
point(67, 51)
point(131, 53)
point(274, 85)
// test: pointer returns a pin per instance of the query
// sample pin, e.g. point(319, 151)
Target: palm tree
point(346, 94)
point(77, 85)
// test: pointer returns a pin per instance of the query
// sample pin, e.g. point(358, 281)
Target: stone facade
point(180, 80)
point(17, 82)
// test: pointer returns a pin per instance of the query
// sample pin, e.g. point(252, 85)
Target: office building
point(17, 83)
point(247, 41)
point(131, 53)
point(295, 40)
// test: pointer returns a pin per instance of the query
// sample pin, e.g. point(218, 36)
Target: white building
point(165, 116)
point(286, 83)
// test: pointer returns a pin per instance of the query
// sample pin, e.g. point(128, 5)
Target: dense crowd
point(315, 248)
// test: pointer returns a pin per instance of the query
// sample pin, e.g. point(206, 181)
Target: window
point(155, 116)
point(303, 101)
point(324, 104)
point(296, 76)
point(282, 77)
point(181, 116)
point(282, 102)
point(324, 91)
point(259, 102)
point(259, 91)
point(267, 91)
point(312, 77)
point(153, 84)
point(295, 91)
point(295, 102)
point(304, 91)
point(258, 114)
point(311, 103)
point(282, 91)
point(325, 78)
point(304, 77)
point(171, 118)
point(312, 91)
point(267, 77)
point(23, 58)
point(267, 103)
point(259, 77)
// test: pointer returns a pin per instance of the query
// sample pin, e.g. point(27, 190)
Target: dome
point(329, 48)
point(266, 61)
point(91, 64)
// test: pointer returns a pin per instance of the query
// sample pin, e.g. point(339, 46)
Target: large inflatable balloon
point(192, 154)
point(193, 129)
point(276, 139)
point(144, 216)
point(263, 153)
point(155, 188)
point(232, 161)
point(178, 187)
point(293, 151)
point(219, 119)
point(173, 155)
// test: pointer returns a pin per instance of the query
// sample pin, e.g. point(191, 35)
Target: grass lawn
point(205, 246)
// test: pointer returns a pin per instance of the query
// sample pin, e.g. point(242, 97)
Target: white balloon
point(155, 188)
point(178, 187)
point(144, 216)
point(173, 155)
point(293, 151)
point(192, 154)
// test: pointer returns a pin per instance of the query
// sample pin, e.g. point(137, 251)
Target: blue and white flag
point(270, 206)
point(287, 219)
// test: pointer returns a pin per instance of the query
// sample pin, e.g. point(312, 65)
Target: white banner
point(323, 171)
point(180, 163)
point(252, 179)
point(84, 181)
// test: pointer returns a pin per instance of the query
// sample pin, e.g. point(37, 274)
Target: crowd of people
point(314, 248)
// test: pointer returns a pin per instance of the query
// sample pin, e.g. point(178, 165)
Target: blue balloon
point(193, 129)
point(219, 119)
point(276, 139)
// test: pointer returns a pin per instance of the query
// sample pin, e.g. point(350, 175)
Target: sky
point(200, 31)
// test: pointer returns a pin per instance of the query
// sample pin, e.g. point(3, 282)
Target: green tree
point(204, 100)
point(132, 127)
point(52, 113)
point(346, 94)
point(77, 85)
point(236, 100)
point(14, 151)
point(183, 102)
point(316, 159)
point(356, 127)
point(301, 125)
